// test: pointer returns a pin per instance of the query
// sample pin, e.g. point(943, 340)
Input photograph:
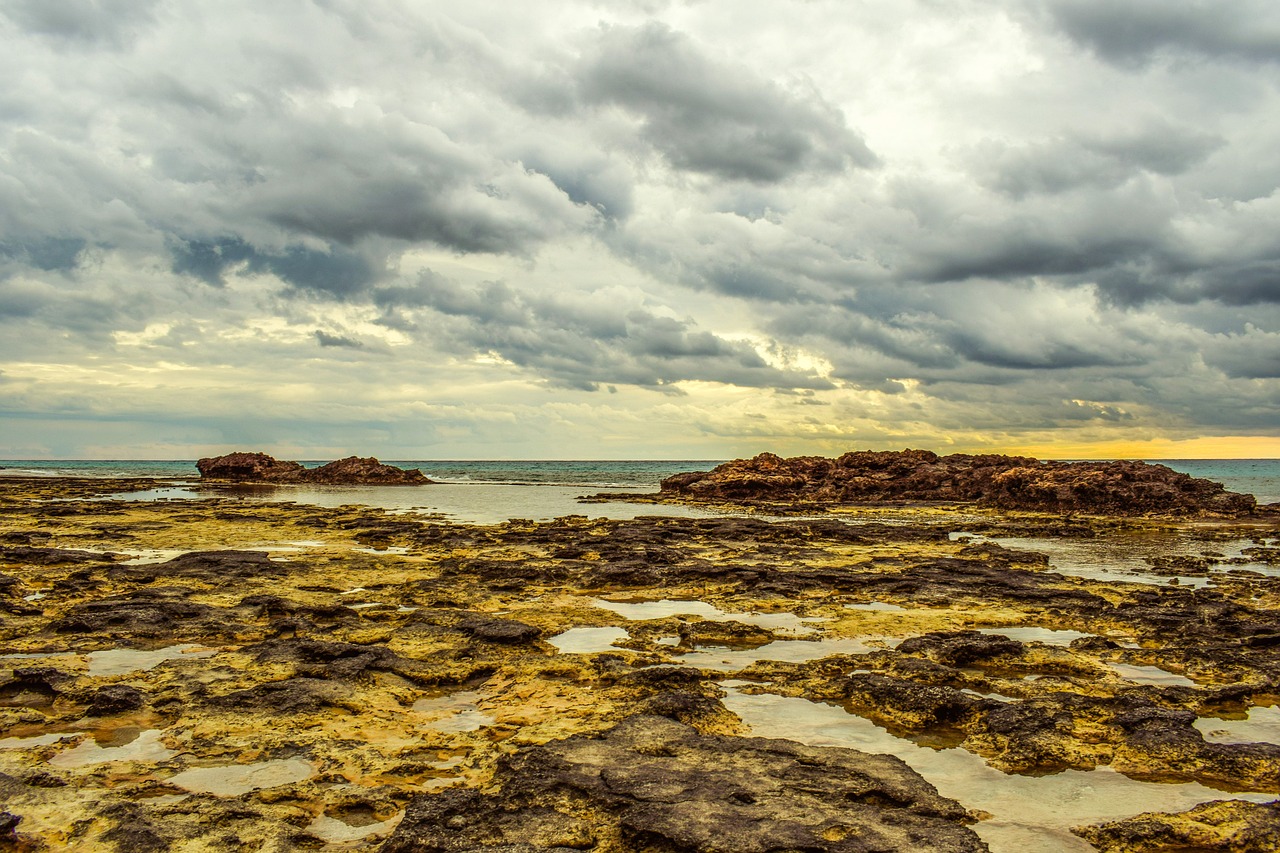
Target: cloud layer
point(649, 229)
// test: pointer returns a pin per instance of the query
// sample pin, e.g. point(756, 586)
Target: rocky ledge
point(651, 784)
point(352, 471)
point(1003, 482)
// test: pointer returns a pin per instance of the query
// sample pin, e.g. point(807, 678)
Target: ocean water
point(637, 475)
point(1257, 477)
point(487, 492)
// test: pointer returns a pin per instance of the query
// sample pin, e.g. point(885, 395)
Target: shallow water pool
point(1029, 814)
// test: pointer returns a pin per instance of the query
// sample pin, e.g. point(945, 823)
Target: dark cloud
point(327, 340)
point(1136, 30)
point(714, 117)
point(337, 272)
point(48, 253)
point(1099, 162)
point(589, 342)
point(108, 22)
point(1045, 240)
point(1084, 410)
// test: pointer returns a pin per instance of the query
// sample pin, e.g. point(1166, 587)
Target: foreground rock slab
point(651, 783)
point(1230, 827)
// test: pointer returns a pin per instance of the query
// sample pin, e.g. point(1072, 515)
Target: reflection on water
point(236, 779)
point(36, 740)
point(1127, 556)
point(1260, 725)
point(334, 831)
point(722, 659)
point(136, 746)
point(164, 493)
point(1032, 634)
point(478, 503)
point(121, 661)
point(454, 712)
point(1151, 675)
point(1029, 814)
point(587, 640)
point(641, 610)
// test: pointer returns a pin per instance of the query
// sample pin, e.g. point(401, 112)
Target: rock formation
point(652, 783)
point(261, 468)
point(1005, 482)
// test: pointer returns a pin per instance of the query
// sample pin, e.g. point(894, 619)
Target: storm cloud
point(761, 226)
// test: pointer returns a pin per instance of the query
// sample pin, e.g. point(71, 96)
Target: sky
point(647, 229)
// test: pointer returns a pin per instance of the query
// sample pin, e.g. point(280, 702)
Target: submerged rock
point(651, 783)
point(1007, 482)
point(261, 468)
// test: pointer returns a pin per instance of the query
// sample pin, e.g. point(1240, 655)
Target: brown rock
point(653, 784)
point(1007, 482)
point(249, 468)
point(352, 471)
point(369, 471)
point(1230, 826)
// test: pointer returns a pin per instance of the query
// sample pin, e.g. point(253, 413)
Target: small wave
point(569, 484)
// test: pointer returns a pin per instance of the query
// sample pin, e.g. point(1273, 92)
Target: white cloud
point(405, 227)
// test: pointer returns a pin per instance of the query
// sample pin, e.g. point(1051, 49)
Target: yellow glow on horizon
point(1208, 447)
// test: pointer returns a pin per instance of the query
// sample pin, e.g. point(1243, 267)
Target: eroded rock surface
point(351, 471)
point(1007, 482)
point(1225, 827)
point(651, 783)
point(425, 680)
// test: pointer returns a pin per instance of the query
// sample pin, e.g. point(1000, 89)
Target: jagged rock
point(9, 825)
point(1007, 482)
point(369, 471)
point(115, 699)
point(651, 783)
point(152, 613)
point(291, 696)
point(1230, 826)
point(493, 630)
point(960, 648)
point(37, 556)
point(212, 566)
point(261, 468)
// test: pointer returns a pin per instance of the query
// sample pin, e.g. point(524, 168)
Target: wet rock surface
point(1007, 482)
point(351, 471)
point(1231, 827)
point(650, 783)
point(332, 692)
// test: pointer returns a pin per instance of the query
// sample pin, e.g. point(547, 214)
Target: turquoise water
point(1257, 477)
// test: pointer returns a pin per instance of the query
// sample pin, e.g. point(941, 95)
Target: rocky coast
point(914, 672)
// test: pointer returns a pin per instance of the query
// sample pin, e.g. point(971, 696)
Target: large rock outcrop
point(352, 471)
point(1006, 482)
point(653, 784)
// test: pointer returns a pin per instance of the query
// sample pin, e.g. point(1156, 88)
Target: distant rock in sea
point(1005, 482)
point(352, 471)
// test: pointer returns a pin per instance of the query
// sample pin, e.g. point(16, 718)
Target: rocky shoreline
point(230, 674)
point(1004, 482)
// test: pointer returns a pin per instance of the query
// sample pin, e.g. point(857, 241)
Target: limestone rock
point(261, 468)
point(1007, 482)
point(1231, 826)
point(652, 783)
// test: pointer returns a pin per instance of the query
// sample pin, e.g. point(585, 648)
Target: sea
point(493, 491)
